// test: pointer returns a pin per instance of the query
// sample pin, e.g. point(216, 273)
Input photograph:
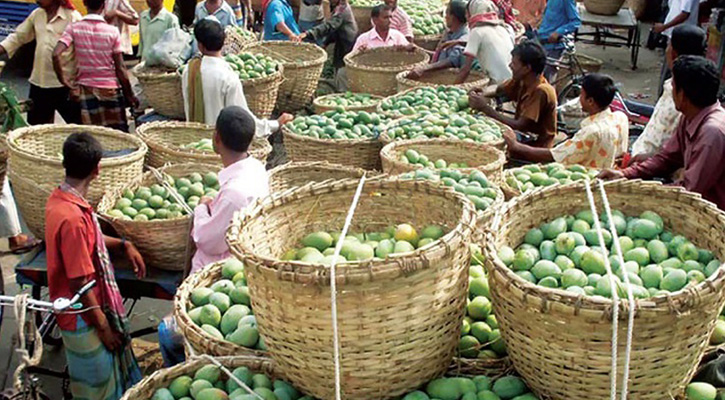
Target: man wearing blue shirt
point(279, 21)
point(219, 9)
point(561, 18)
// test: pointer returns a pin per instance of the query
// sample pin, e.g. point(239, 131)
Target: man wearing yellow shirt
point(604, 135)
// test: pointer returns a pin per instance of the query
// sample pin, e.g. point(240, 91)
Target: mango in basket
point(442, 100)
point(701, 391)
point(457, 125)
point(475, 185)
point(532, 176)
point(476, 388)
point(348, 99)
point(338, 125)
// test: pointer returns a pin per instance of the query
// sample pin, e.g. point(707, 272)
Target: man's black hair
point(458, 10)
point(531, 53)
point(377, 10)
point(698, 78)
point(94, 5)
point(236, 128)
point(689, 40)
point(600, 88)
point(81, 155)
point(210, 33)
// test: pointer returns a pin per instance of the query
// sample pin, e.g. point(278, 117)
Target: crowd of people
point(79, 72)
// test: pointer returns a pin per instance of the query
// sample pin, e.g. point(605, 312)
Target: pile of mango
point(529, 177)
point(475, 185)
point(337, 125)
point(461, 126)
point(442, 100)
point(476, 388)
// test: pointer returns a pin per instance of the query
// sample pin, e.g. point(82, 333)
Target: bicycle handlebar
point(60, 304)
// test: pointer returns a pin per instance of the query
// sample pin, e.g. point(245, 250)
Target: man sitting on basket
point(209, 84)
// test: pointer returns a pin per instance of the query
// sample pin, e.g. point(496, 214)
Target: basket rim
point(583, 302)
point(402, 77)
point(286, 131)
point(297, 271)
point(389, 150)
point(350, 59)
point(320, 59)
point(138, 72)
point(18, 150)
point(313, 164)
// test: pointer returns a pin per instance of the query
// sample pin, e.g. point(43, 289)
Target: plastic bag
point(172, 50)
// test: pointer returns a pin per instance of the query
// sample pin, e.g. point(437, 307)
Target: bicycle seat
point(639, 108)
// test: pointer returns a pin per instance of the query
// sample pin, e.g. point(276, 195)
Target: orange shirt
point(537, 103)
point(70, 239)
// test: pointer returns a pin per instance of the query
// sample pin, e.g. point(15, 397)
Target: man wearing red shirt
point(698, 144)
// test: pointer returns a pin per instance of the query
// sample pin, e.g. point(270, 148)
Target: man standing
point(340, 28)
point(154, 22)
point(604, 135)
point(120, 13)
point(561, 18)
point(535, 98)
point(382, 34)
point(99, 58)
point(686, 40)
point(96, 340)
point(698, 144)
point(242, 181)
point(208, 83)
point(400, 20)
point(45, 25)
point(680, 12)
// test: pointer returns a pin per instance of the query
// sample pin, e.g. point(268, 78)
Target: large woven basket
point(603, 7)
point(442, 77)
point(36, 168)
point(561, 342)
point(145, 389)
point(358, 153)
point(262, 93)
point(398, 318)
point(296, 174)
point(234, 42)
point(320, 107)
point(362, 17)
point(474, 367)
point(165, 139)
point(303, 63)
point(162, 89)
point(200, 341)
point(374, 70)
point(428, 42)
point(162, 243)
point(478, 156)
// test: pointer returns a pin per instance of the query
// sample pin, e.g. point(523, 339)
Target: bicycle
point(26, 383)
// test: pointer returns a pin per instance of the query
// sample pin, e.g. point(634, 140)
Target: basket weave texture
point(428, 42)
point(293, 175)
point(200, 341)
point(234, 42)
point(162, 243)
point(374, 70)
point(262, 93)
point(478, 156)
point(362, 17)
point(442, 77)
point(561, 342)
point(35, 166)
point(357, 153)
point(165, 139)
point(303, 63)
point(474, 367)
point(603, 7)
point(145, 389)
point(388, 310)
point(162, 89)
point(320, 107)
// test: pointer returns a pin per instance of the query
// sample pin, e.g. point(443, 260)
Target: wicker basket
point(396, 317)
point(320, 107)
point(165, 139)
point(303, 63)
point(162, 243)
point(293, 175)
point(235, 42)
point(362, 17)
point(35, 166)
point(428, 42)
point(145, 389)
point(374, 70)
point(492, 368)
point(262, 93)
point(478, 156)
point(357, 153)
point(603, 7)
point(162, 89)
point(560, 342)
point(442, 77)
point(200, 341)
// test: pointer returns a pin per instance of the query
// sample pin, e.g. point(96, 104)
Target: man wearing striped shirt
point(400, 20)
point(101, 81)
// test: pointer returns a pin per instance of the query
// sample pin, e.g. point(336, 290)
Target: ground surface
point(640, 84)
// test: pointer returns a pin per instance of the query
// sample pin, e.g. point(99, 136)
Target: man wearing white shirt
point(209, 84)
point(680, 12)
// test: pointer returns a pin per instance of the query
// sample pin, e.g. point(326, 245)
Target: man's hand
point(285, 118)
point(206, 200)
point(639, 158)
point(303, 36)
point(659, 27)
point(416, 73)
point(133, 101)
point(295, 38)
point(410, 48)
point(610, 174)
point(139, 267)
point(108, 337)
point(509, 136)
point(476, 99)
point(74, 93)
point(363, 47)
point(554, 37)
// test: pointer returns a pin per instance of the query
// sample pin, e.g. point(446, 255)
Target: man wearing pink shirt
point(400, 20)
point(381, 35)
point(242, 181)
point(102, 80)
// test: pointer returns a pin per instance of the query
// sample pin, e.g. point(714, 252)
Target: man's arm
point(24, 33)
point(525, 152)
point(94, 313)
point(57, 63)
point(680, 18)
point(479, 101)
point(129, 249)
point(122, 76)
point(465, 69)
point(330, 25)
point(210, 230)
point(700, 176)
point(573, 20)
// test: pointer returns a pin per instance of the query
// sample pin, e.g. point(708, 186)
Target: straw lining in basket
point(296, 174)
point(357, 153)
point(162, 89)
point(671, 332)
point(389, 309)
point(443, 77)
point(165, 139)
point(374, 70)
point(162, 243)
point(200, 341)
